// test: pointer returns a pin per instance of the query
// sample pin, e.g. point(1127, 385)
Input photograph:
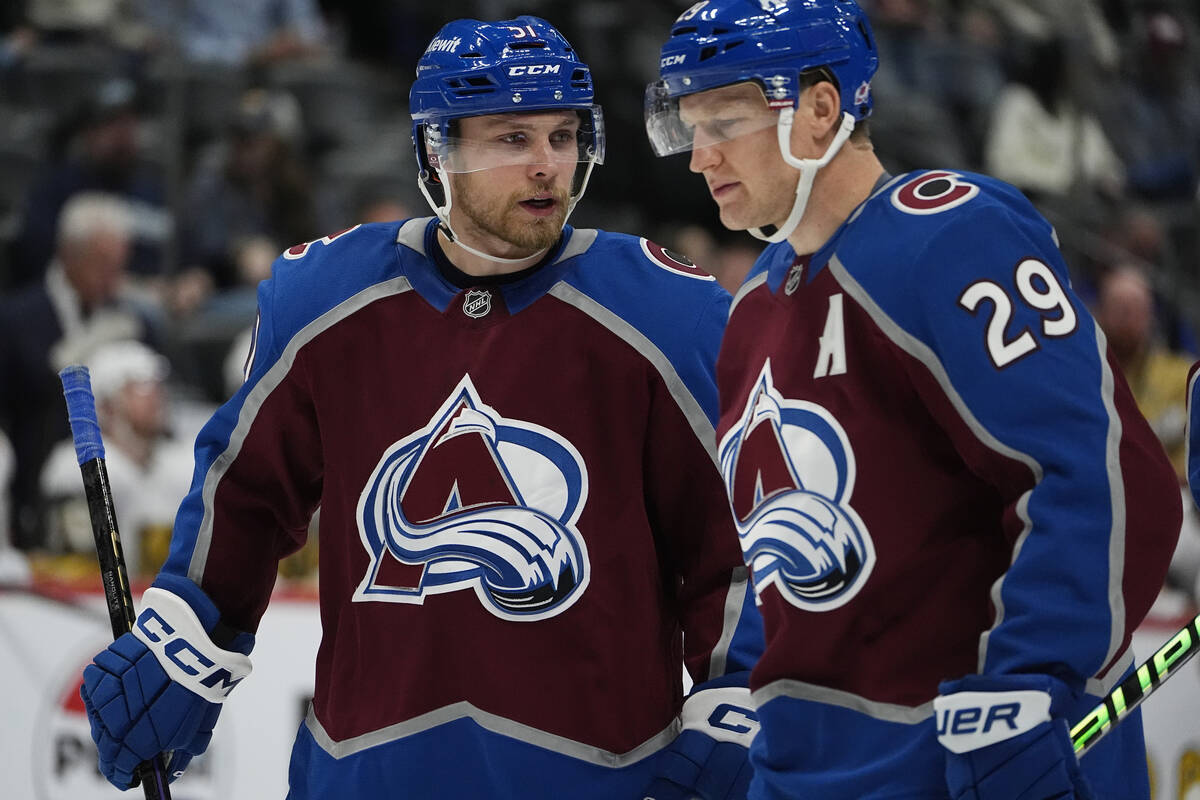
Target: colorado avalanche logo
point(789, 471)
point(476, 501)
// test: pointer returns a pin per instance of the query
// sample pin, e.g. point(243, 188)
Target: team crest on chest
point(477, 303)
point(789, 470)
point(477, 501)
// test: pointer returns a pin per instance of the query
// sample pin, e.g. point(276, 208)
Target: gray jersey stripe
point(683, 397)
point(746, 288)
point(1101, 685)
point(735, 600)
point(886, 712)
point(259, 394)
point(1116, 487)
point(412, 234)
point(581, 240)
point(495, 724)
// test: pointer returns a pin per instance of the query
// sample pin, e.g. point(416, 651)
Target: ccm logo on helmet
point(670, 61)
point(535, 69)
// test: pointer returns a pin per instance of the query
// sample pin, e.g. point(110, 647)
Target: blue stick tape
point(81, 412)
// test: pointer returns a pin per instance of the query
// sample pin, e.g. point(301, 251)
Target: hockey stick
point(1180, 647)
point(1137, 687)
point(89, 449)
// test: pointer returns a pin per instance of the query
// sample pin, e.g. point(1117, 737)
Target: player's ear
point(820, 110)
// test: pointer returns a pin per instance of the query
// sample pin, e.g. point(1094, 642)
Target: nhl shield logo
point(793, 278)
point(477, 303)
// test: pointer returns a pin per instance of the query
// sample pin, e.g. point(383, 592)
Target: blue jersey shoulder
point(933, 234)
point(670, 301)
point(917, 214)
point(311, 278)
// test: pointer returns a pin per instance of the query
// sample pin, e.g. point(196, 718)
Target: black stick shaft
point(117, 595)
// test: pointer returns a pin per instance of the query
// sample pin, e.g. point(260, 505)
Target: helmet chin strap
point(808, 170)
point(443, 215)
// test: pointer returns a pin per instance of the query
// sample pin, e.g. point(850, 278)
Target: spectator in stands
point(77, 307)
point(149, 470)
point(1140, 233)
point(239, 33)
point(912, 119)
point(114, 23)
point(103, 156)
point(1042, 141)
point(1157, 376)
point(251, 185)
point(1154, 114)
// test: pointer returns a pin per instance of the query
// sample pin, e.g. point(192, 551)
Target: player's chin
point(735, 220)
point(535, 232)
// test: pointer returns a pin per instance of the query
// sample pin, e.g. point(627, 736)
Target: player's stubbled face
point(735, 148)
point(514, 177)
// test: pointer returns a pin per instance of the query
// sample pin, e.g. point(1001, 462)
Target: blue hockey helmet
point(719, 42)
point(771, 43)
point(472, 68)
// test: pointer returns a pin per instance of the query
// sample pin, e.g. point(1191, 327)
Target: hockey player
point(508, 425)
point(953, 513)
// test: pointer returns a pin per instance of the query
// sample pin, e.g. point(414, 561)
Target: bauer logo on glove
point(969, 720)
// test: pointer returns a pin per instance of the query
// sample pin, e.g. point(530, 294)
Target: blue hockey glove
point(709, 758)
point(160, 688)
point(1004, 740)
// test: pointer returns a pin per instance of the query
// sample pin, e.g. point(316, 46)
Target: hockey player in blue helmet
point(953, 513)
point(525, 543)
point(503, 69)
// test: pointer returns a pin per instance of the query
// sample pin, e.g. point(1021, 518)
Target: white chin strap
point(443, 215)
point(808, 170)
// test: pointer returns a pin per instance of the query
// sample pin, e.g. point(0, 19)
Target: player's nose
point(704, 157)
point(543, 162)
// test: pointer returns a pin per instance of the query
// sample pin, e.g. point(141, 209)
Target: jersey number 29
point(1038, 288)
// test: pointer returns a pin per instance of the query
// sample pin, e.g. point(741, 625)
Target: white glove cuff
point(725, 714)
point(172, 631)
point(967, 721)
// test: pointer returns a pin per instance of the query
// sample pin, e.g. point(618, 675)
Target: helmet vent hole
point(526, 45)
point(732, 45)
point(684, 31)
point(472, 55)
point(708, 52)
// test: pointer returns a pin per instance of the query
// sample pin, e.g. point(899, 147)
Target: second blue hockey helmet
point(771, 42)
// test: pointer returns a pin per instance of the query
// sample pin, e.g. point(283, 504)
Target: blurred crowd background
point(156, 155)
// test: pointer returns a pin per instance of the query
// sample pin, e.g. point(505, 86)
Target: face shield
point(516, 145)
point(678, 122)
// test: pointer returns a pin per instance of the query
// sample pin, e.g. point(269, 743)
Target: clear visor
point(519, 146)
point(678, 124)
